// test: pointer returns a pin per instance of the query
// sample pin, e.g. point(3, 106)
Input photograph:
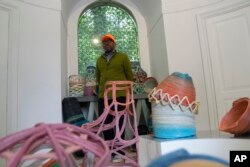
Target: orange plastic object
point(237, 119)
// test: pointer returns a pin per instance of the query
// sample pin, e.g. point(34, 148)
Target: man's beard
point(109, 51)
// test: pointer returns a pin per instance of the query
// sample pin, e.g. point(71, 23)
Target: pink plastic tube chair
point(60, 140)
point(118, 144)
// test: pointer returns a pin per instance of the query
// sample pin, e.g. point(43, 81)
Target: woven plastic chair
point(118, 145)
point(52, 142)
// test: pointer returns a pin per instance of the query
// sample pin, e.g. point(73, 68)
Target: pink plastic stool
point(118, 145)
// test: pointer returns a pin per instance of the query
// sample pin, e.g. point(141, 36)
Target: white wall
point(152, 11)
point(35, 59)
point(64, 78)
point(64, 64)
point(158, 52)
point(67, 8)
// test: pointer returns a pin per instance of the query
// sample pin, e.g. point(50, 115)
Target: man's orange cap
point(107, 37)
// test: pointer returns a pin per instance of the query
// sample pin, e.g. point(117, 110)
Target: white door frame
point(11, 11)
point(3, 69)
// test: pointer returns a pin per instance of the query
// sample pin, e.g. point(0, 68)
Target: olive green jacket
point(118, 68)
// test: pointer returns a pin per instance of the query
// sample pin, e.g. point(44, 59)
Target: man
point(111, 66)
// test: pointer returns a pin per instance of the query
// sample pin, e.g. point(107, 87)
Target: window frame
point(119, 7)
point(72, 46)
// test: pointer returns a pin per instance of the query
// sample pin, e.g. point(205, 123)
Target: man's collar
point(110, 53)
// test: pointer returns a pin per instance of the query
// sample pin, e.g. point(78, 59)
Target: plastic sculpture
point(60, 141)
point(118, 145)
point(237, 119)
point(176, 88)
point(173, 107)
point(76, 83)
point(90, 83)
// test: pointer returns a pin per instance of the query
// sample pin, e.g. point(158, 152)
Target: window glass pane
point(99, 20)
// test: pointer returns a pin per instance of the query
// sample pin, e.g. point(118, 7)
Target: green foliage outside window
point(98, 20)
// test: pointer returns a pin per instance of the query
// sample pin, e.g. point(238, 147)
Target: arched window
point(101, 18)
